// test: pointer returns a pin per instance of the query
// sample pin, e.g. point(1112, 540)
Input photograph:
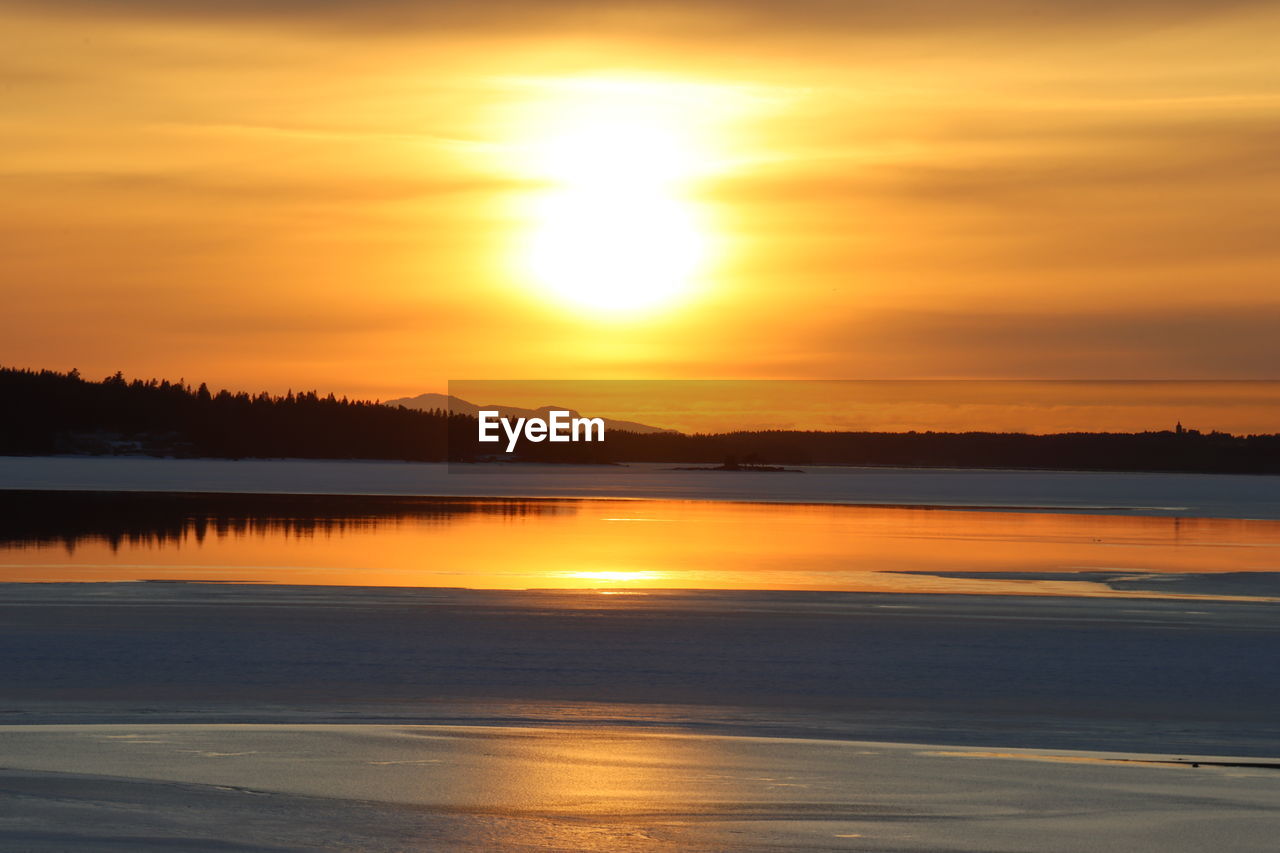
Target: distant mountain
point(457, 405)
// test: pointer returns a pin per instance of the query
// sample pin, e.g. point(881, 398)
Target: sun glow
point(616, 576)
point(614, 228)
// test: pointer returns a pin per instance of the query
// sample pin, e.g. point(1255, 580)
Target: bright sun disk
point(614, 229)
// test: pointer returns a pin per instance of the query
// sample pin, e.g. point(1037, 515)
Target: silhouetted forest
point(1189, 451)
point(50, 412)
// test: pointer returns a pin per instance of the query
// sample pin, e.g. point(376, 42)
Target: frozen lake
point(527, 790)
point(625, 713)
point(1202, 495)
point(215, 654)
point(1149, 675)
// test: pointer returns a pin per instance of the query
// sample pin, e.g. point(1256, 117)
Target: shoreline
point(1183, 759)
point(464, 499)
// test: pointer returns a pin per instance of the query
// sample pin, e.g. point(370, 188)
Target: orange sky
point(375, 198)
point(1241, 407)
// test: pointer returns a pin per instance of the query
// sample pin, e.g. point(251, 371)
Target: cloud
point(851, 17)
point(274, 190)
point(1161, 342)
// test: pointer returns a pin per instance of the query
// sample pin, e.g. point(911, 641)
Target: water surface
point(621, 545)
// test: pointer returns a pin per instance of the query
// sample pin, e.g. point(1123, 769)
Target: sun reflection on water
point(571, 544)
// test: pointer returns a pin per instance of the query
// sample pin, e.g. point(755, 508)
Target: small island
point(731, 464)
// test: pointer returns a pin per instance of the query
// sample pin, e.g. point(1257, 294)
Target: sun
point(604, 250)
point(613, 227)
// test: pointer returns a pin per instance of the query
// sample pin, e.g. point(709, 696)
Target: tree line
point(50, 412)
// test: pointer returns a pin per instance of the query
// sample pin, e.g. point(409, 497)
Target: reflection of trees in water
point(32, 519)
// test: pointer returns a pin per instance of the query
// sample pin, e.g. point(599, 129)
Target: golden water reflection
point(617, 545)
